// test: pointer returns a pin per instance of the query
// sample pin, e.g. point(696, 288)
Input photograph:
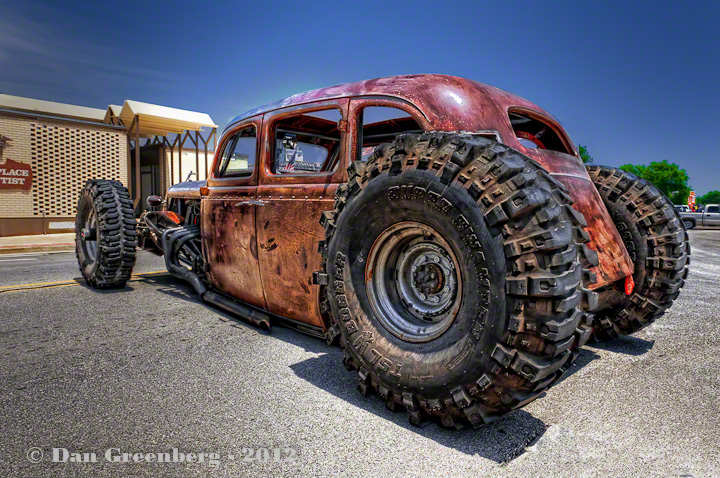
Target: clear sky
point(634, 81)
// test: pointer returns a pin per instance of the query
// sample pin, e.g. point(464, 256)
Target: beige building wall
point(63, 156)
point(16, 203)
point(188, 164)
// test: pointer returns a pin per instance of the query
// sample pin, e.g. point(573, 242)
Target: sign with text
point(14, 175)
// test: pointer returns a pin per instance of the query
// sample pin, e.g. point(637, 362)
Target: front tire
point(105, 234)
point(453, 276)
point(658, 244)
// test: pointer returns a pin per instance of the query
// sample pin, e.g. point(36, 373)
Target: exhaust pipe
point(180, 235)
point(173, 240)
point(258, 319)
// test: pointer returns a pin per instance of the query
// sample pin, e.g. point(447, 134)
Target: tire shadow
point(500, 441)
point(626, 344)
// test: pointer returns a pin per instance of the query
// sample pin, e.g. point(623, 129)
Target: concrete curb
point(17, 248)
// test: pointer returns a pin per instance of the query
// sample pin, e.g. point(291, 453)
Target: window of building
point(380, 124)
point(307, 143)
point(238, 156)
point(535, 134)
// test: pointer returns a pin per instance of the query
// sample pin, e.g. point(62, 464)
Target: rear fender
point(615, 262)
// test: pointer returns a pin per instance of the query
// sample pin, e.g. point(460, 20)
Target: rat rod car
point(463, 253)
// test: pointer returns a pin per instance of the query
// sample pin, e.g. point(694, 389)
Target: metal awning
point(156, 120)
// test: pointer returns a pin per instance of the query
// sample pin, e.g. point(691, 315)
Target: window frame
point(358, 104)
point(229, 135)
point(232, 145)
point(549, 122)
point(273, 144)
point(339, 175)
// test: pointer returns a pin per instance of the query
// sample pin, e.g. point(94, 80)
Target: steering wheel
point(530, 137)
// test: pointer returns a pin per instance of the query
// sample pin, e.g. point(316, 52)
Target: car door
point(711, 216)
point(228, 216)
point(303, 162)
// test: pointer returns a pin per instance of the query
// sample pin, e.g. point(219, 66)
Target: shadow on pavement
point(627, 345)
point(501, 441)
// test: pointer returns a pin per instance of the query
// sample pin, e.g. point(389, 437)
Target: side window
point(380, 124)
point(713, 209)
point(535, 134)
point(307, 143)
point(238, 157)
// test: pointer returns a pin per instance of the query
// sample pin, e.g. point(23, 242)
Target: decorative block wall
point(63, 157)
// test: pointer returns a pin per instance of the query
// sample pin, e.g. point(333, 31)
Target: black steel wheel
point(454, 268)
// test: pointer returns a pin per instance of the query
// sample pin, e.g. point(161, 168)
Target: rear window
point(535, 134)
point(713, 209)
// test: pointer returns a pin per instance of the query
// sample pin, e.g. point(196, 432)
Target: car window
point(380, 124)
point(307, 143)
point(713, 209)
point(533, 133)
point(238, 158)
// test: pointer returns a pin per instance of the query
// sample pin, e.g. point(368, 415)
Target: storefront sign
point(14, 175)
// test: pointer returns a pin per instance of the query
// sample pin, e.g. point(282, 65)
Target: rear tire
point(512, 327)
point(689, 224)
point(657, 241)
point(105, 234)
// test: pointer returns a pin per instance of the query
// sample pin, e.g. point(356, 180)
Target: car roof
point(450, 103)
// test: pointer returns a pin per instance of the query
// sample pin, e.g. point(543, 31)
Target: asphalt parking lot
point(150, 368)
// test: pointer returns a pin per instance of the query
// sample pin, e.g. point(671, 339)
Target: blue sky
point(634, 81)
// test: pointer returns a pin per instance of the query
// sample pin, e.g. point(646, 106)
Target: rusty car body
point(420, 222)
point(264, 251)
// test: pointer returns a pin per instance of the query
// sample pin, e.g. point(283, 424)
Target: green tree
point(584, 155)
point(666, 176)
point(713, 197)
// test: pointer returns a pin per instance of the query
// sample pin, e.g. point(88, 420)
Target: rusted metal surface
point(288, 233)
point(264, 252)
point(449, 103)
point(230, 245)
point(615, 262)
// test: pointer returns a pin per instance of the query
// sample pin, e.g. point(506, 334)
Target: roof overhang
point(156, 120)
point(31, 105)
point(113, 111)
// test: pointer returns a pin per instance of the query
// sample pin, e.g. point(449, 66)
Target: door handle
point(250, 202)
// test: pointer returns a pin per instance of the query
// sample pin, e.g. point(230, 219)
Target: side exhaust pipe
point(172, 241)
point(258, 319)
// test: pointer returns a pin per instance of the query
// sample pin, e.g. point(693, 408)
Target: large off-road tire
point(491, 235)
point(655, 238)
point(105, 234)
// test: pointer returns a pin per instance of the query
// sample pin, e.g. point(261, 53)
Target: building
point(49, 150)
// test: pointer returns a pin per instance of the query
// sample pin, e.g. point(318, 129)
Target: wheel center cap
point(428, 287)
